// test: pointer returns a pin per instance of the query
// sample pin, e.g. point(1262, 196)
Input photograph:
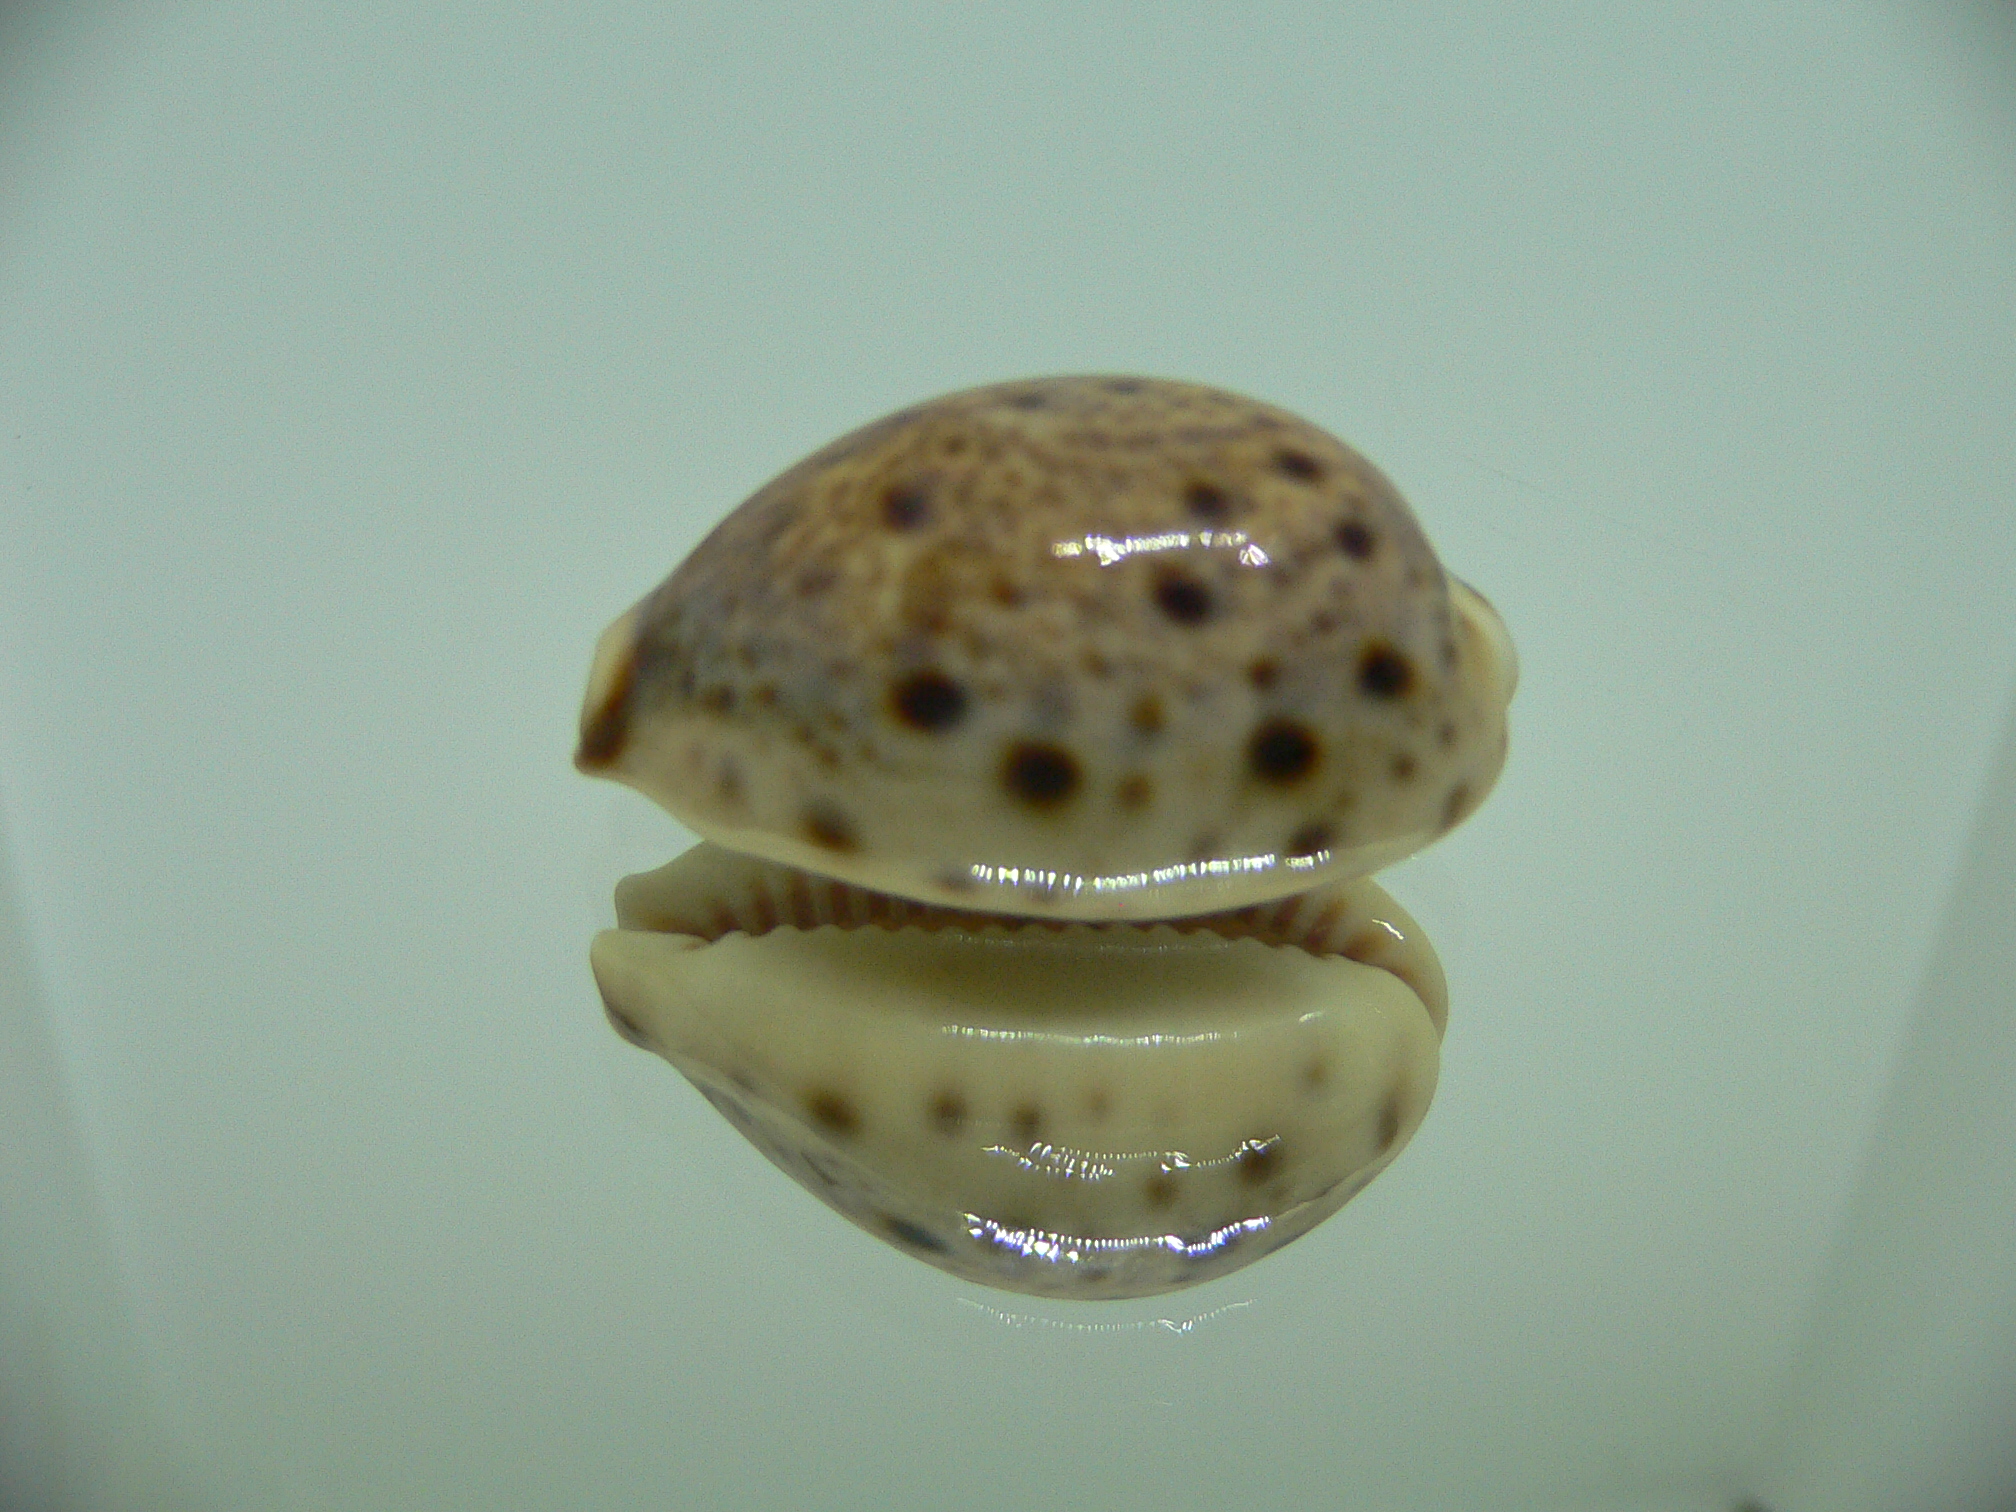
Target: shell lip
point(709, 892)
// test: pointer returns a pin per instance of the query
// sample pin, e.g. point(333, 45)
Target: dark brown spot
point(1263, 672)
point(1159, 1189)
point(718, 700)
point(1390, 1115)
point(605, 732)
point(903, 1231)
point(1096, 665)
point(1383, 672)
point(1446, 733)
point(1040, 774)
point(1208, 502)
point(764, 695)
point(1454, 806)
point(1005, 593)
point(1310, 840)
point(1123, 385)
point(1260, 1163)
point(955, 881)
point(1355, 540)
point(948, 1113)
point(1403, 767)
point(1098, 1103)
point(905, 506)
point(812, 582)
point(832, 1112)
point(928, 701)
point(1182, 597)
point(1027, 1122)
point(1298, 465)
point(1031, 399)
point(1282, 751)
point(1146, 715)
point(1134, 791)
point(829, 828)
point(1316, 1075)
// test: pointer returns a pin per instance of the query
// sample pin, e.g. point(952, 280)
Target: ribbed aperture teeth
point(774, 897)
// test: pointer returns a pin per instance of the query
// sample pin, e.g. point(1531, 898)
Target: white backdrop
point(358, 363)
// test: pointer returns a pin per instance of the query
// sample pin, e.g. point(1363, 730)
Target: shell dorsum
point(1081, 647)
point(1085, 1109)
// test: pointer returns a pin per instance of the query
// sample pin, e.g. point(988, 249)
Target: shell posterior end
point(605, 712)
point(1480, 611)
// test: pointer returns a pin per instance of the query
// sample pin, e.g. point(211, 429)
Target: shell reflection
point(1084, 1109)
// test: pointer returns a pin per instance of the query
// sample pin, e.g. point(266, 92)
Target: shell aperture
point(1041, 737)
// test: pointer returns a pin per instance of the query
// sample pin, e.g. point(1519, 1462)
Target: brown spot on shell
point(827, 826)
point(1310, 840)
point(1135, 791)
point(948, 1113)
point(604, 733)
point(1260, 1163)
point(1146, 716)
point(1403, 767)
point(905, 506)
point(1159, 1190)
point(1208, 502)
point(1182, 597)
point(832, 1112)
point(928, 701)
point(1391, 1114)
point(1040, 774)
point(1282, 751)
point(1384, 672)
point(1298, 465)
point(1316, 1075)
point(1263, 672)
point(1355, 540)
point(1027, 1122)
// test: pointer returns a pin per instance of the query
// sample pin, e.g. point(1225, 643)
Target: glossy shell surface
point(1075, 1110)
point(1083, 648)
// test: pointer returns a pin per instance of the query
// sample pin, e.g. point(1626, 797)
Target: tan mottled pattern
point(1091, 647)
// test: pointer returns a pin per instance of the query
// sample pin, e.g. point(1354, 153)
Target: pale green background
point(358, 362)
